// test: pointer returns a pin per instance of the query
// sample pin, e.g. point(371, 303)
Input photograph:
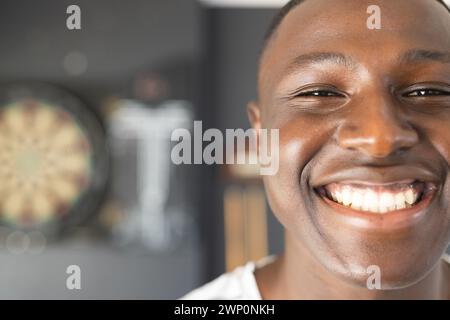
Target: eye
point(427, 93)
point(319, 93)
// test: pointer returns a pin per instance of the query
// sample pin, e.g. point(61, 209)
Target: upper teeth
point(365, 199)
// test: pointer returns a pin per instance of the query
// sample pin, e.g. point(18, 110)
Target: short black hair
point(279, 17)
point(288, 8)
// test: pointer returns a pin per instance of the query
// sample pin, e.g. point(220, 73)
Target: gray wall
point(236, 37)
point(118, 38)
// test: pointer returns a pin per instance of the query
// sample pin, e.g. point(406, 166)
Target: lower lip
point(392, 220)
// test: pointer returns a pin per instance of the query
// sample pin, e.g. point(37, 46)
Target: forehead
point(317, 26)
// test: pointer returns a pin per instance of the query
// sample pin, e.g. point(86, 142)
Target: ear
point(254, 114)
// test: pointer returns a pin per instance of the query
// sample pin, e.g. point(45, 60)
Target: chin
point(400, 258)
point(395, 274)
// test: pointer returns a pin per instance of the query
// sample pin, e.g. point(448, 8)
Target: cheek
point(438, 132)
point(301, 138)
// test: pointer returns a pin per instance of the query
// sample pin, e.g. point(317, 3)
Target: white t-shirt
point(239, 284)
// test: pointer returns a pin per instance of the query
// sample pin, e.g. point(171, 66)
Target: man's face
point(364, 120)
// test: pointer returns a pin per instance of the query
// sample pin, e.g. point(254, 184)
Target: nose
point(377, 128)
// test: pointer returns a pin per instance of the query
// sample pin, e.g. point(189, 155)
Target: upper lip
point(377, 176)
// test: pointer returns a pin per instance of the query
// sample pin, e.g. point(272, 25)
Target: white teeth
point(346, 197)
point(369, 200)
point(387, 202)
point(338, 196)
point(400, 201)
point(382, 209)
point(410, 198)
point(365, 202)
point(333, 195)
point(357, 200)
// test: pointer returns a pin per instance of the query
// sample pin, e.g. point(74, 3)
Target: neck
point(298, 275)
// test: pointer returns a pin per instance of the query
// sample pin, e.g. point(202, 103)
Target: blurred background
point(86, 118)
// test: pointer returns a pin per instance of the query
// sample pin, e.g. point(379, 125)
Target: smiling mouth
point(378, 198)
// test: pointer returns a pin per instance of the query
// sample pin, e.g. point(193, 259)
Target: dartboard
point(48, 158)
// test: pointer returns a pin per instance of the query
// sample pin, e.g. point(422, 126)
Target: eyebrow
point(411, 56)
point(321, 57)
point(420, 55)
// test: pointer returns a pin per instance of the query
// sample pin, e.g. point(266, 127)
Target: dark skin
point(368, 105)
